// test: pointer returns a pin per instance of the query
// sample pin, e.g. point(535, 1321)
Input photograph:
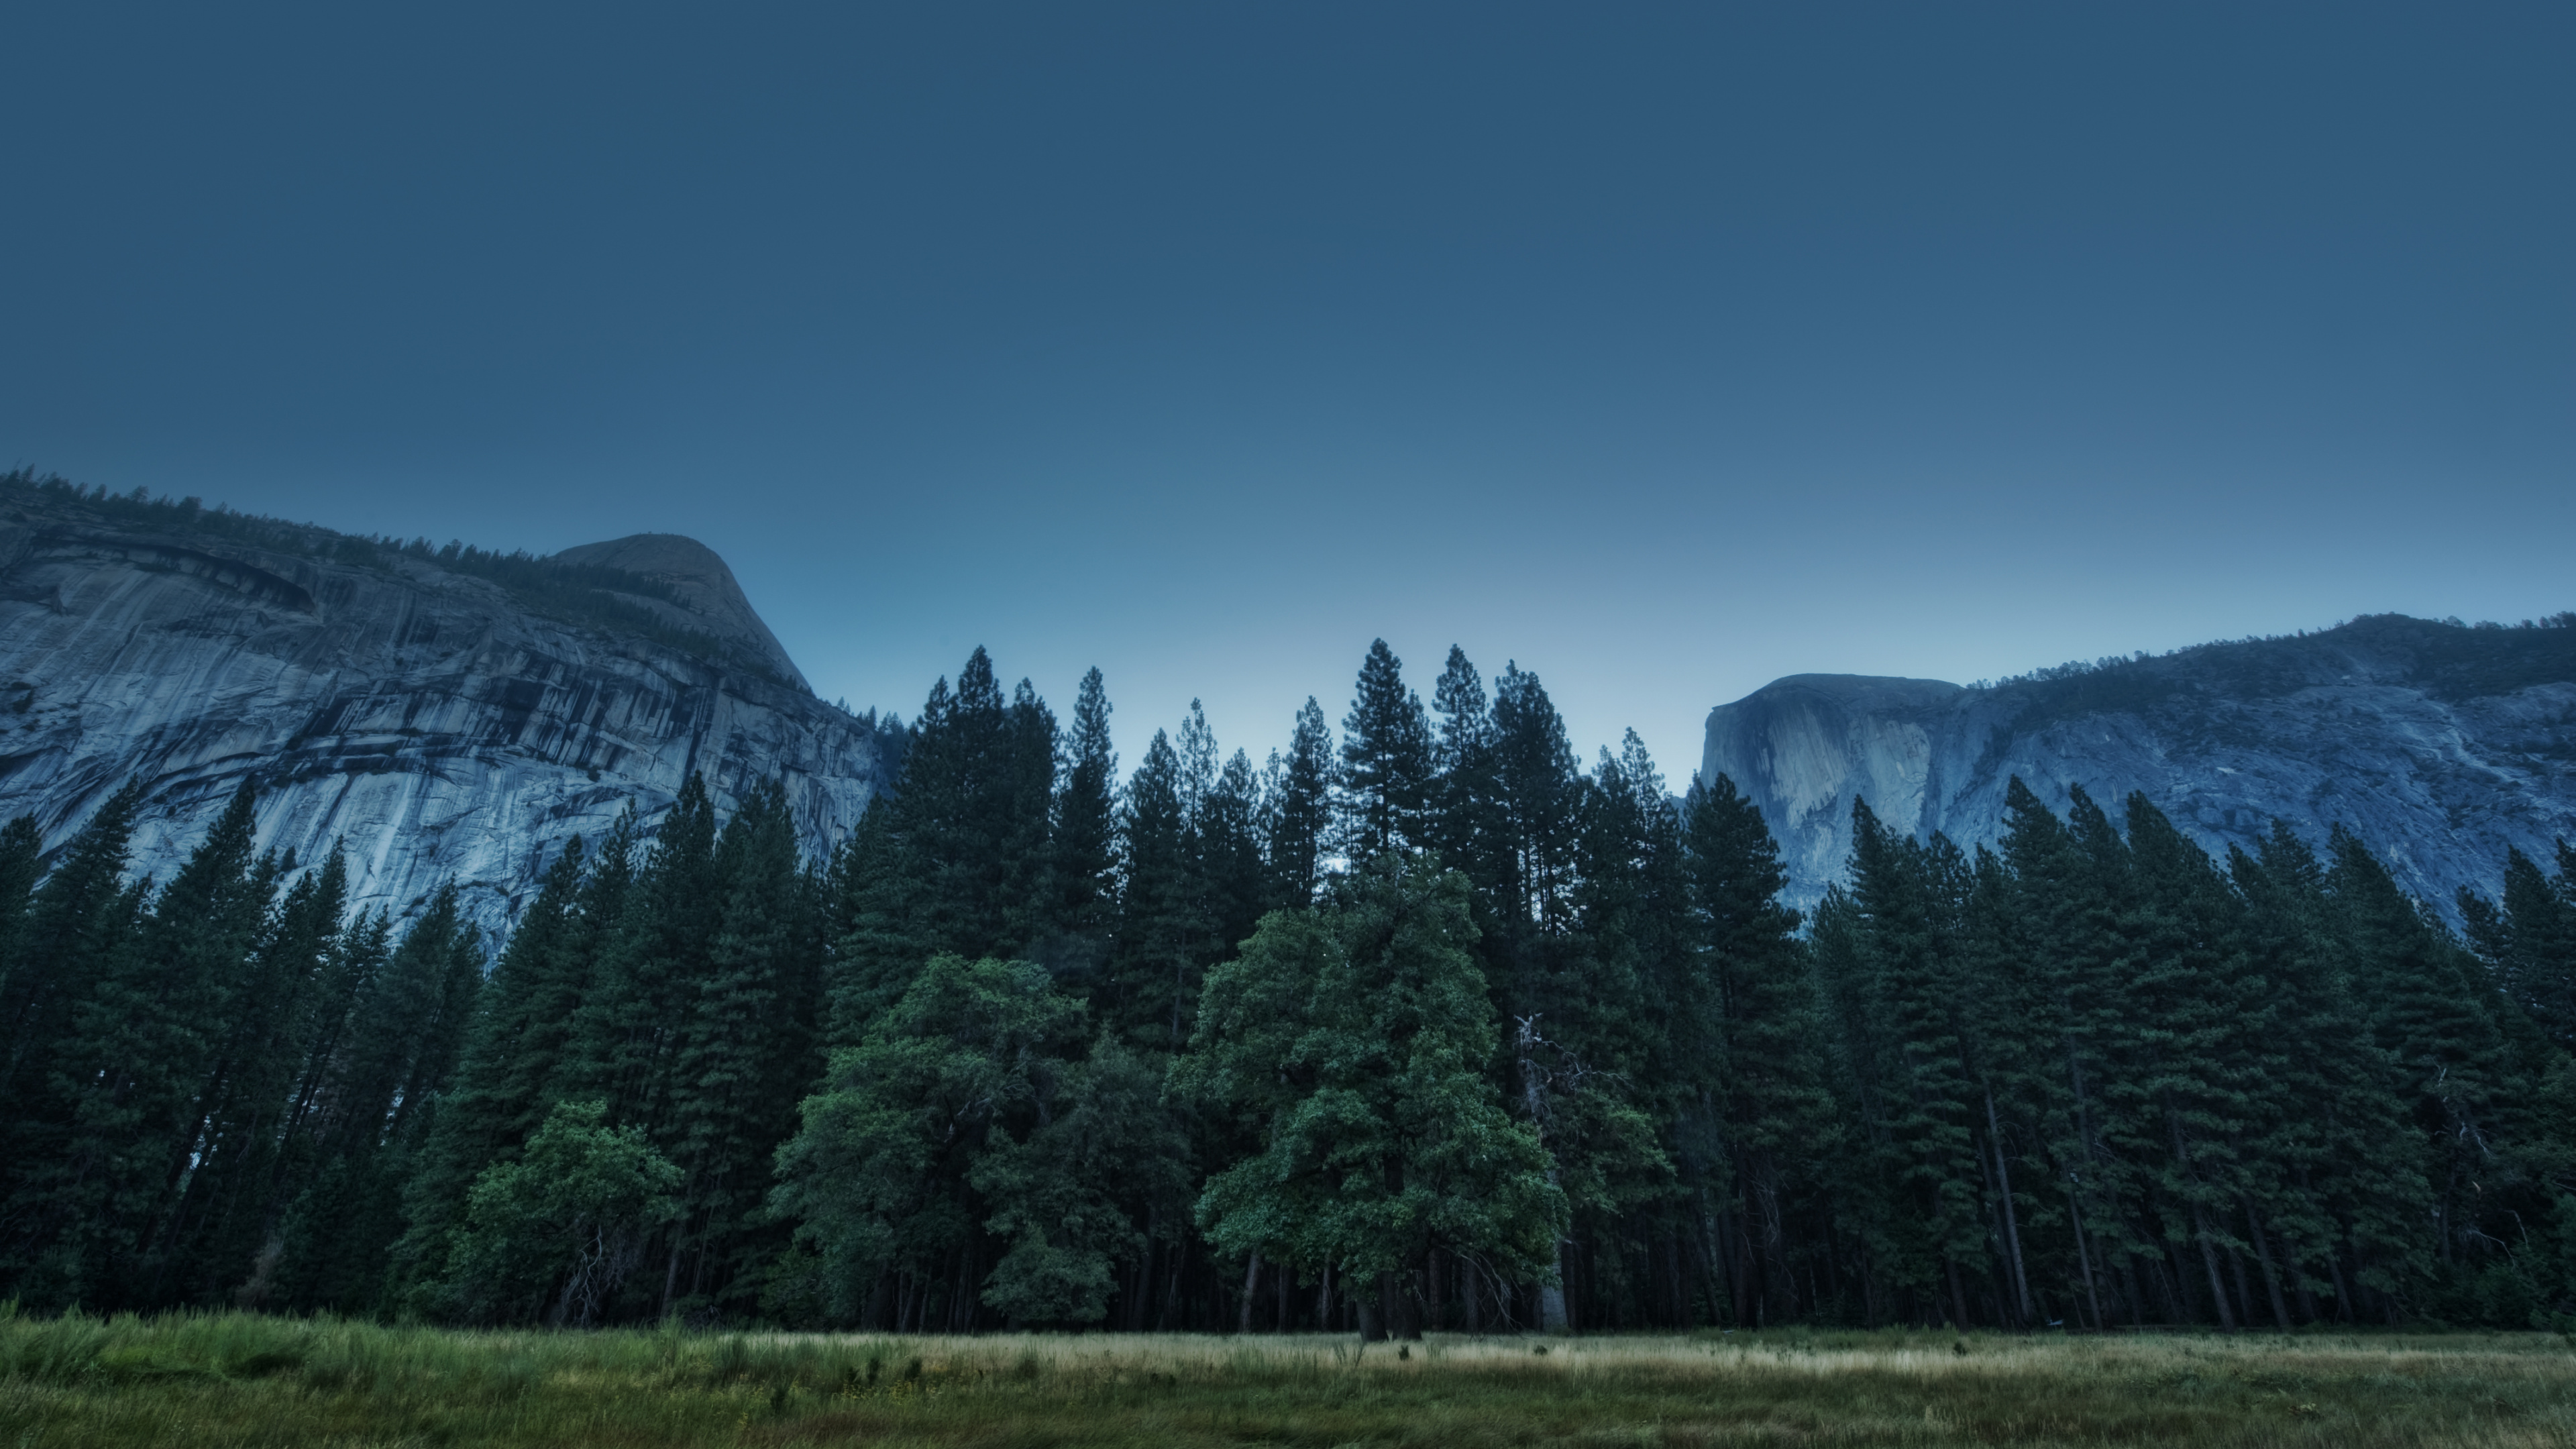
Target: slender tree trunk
point(2209, 1260)
point(2271, 1270)
point(2244, 1290)
point(671, 1274)
point(873, 1317)
point(2084, 1258)
point(1775, 1241)
point(1551, 1294)
point(1677, 1288)
point(1251, 1286)
point(2012, 1217)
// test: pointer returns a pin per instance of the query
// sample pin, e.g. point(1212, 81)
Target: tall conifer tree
point(1383, 791)
point(1299, 810)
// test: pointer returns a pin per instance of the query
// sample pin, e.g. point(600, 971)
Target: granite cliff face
point(437, 724)
point(2438, 744)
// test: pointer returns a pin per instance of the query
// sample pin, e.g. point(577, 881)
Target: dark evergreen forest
point(1424, 1027)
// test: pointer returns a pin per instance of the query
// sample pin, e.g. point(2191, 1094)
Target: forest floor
point(246, 1380)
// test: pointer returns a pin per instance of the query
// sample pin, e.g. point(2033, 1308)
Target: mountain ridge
point(2440, 744)
point(439, 713)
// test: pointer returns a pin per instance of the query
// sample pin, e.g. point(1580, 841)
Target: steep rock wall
point(2437, 744)
point(424, 719)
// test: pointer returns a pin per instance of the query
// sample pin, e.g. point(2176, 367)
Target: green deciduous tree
point(552, 1234)
point(1357, 1035)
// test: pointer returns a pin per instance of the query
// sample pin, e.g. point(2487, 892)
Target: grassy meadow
point(240, 1379)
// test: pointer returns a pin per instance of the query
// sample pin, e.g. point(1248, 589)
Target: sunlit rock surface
point(425, 719)
point(2438, 745)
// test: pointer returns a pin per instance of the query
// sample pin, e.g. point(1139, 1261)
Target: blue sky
point(1666, 349)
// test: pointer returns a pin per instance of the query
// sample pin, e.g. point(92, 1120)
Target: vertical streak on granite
point(420, 717)
point(2439, 745)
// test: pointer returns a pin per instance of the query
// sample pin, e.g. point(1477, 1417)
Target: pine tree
point(2427, 1013)
point(233, 1215)
point(2343, 1176)
point(1086, 819)
point(2201, 1072)
point(631, 1025)
point(1298, 809)
point(2071, 886)
point(376, 1086)
point(192, 990)
point(874, 943)
point(58, 1133)
point(959, 858)
point(1907, 899)
point(1536, 819)
point(748, 1049)
point(1747, 1056)
point(1226, 835)
point(2531, 942)
point(1033, 746)
point(1163, 932)
point(1463, 762)
point(1382, 794)
point(68, 931)
point(511, 1062)
point(21, 865)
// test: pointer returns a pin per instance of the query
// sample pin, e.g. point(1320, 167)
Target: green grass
point(238, 1379)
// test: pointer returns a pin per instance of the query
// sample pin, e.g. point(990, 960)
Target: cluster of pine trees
point(1427, 1027)
point(214, 1090)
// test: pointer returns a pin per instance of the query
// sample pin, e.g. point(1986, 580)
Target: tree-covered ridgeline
point(1424, 1026)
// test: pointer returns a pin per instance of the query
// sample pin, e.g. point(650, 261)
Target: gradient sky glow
point(1667, 349)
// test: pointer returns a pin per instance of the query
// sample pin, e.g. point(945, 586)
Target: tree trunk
point(1551, 1294)
point(2209, 1260)
point(2271, 1274)
point(2084, 1257)
point(2244, 1290)
point(2012, 1217)
point(1372, 1315)
point(2200, 1223)
point(1251, 1285)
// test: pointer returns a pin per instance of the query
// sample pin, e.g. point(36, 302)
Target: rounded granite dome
point(709, 599)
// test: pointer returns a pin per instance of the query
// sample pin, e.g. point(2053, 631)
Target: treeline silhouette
point(1423, 1027)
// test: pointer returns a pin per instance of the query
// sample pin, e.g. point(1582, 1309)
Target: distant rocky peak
point(2438, 744)
point(704, 595)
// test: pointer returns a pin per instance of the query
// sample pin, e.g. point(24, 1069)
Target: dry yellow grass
point(234, 1379)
